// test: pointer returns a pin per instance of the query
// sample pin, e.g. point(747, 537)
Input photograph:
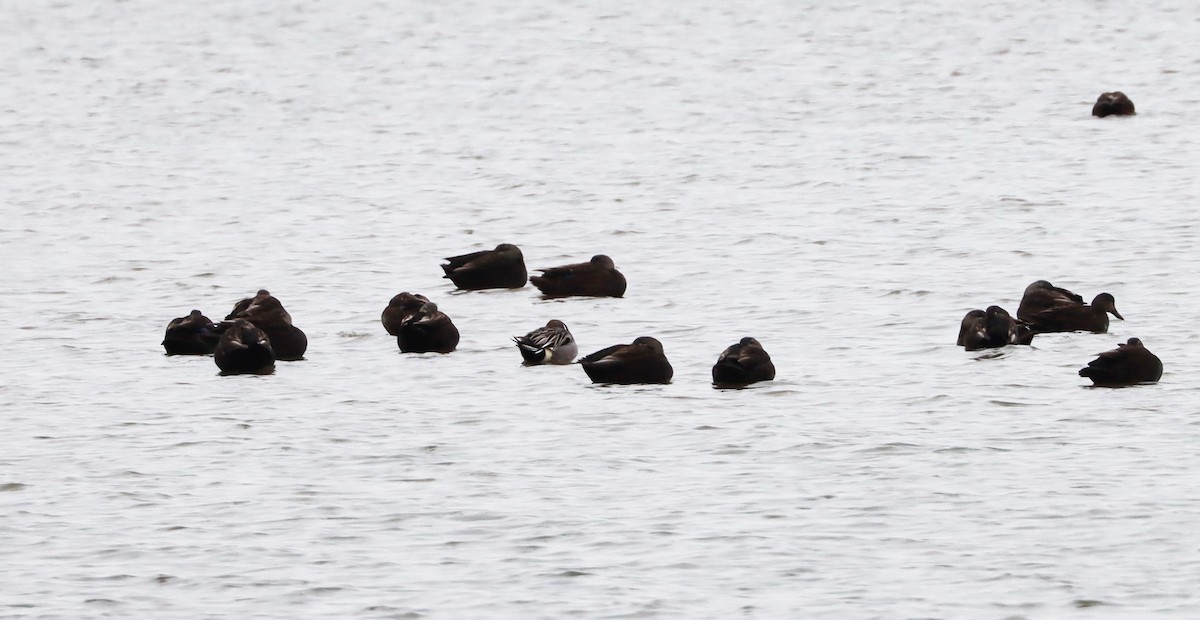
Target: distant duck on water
point(503, 267)
point(990, 329)
point(419, 326)
point(743, 363)
point(596, 278)
point(643, 361)
point(400, 308)
point(244, 349)
point(267, 313)
point(1047, 308)
point(1113, 104)
point(1128, 364)
point(194, 334)
point(552, 344)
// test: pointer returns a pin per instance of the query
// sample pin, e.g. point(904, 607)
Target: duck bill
point(1117, 314)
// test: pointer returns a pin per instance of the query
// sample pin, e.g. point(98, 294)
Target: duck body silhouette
point(401, 307)
point(743, 363)
point(1113, 104)
point(428, 330)
point(244, 349)
point(643, 361)
point(503, 267)
point(267, 313)
point(1128, 364)
point(991, 329)
point(1041, 295)
point(1047, 308)
point(596, 278)
point(194, 334)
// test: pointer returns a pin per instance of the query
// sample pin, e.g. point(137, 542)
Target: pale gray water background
point(842, 182)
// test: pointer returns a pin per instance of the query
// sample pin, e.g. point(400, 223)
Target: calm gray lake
point(842, 181)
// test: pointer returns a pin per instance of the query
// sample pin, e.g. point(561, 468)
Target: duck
point(428, 330)
point(1046, 308)
point(267, 313)
point(1113, 104)
point(642, 361)
point(401, 307)
point(969, 325)
point(194, 334)
point(1041, 295)
point(991, 329)
point(503, 267)
point(244, 349)
point(596, 278)
point(1130, 363)
point(743, 363)
point(243, 304)
point(552, 344)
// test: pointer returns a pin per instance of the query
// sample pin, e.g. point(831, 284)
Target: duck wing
point(454, 263)
point(606, 355)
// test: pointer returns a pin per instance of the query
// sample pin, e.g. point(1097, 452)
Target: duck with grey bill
point(743, 363)
point(1128, 364)
point(596, 278)
point(1047, 308)
point(643, 361)
point(503, 267)
point(552, 344)
point(991, 329)
point(244, 349)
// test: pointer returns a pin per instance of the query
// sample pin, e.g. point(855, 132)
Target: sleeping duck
point(244, 349)
point(990, 329)
point(743, 363)
point(193, 334)
point(552, 344)
point(596, 278)
point(1127, 364)
point(643, 361)
point(503, 267)
point(268, 314)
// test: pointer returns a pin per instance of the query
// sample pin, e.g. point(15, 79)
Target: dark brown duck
point(596, 278)
point(267, 313)
point(743, 363)
point(1128, 364)
point(428, 330)
point(990, 329)
point(244, 349)
point(194, 334)
point(401, 308)
point(1113, 104)
point(503, 267)
point(1059, 310)
point(643, 361)
point(1041, 295)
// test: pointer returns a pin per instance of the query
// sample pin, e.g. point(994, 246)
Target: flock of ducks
point(259, 330)
point(1046, 308)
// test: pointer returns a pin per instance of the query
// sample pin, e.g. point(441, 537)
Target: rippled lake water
point(841, 182)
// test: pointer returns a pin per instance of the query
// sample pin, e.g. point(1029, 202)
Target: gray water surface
point(841, 182)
